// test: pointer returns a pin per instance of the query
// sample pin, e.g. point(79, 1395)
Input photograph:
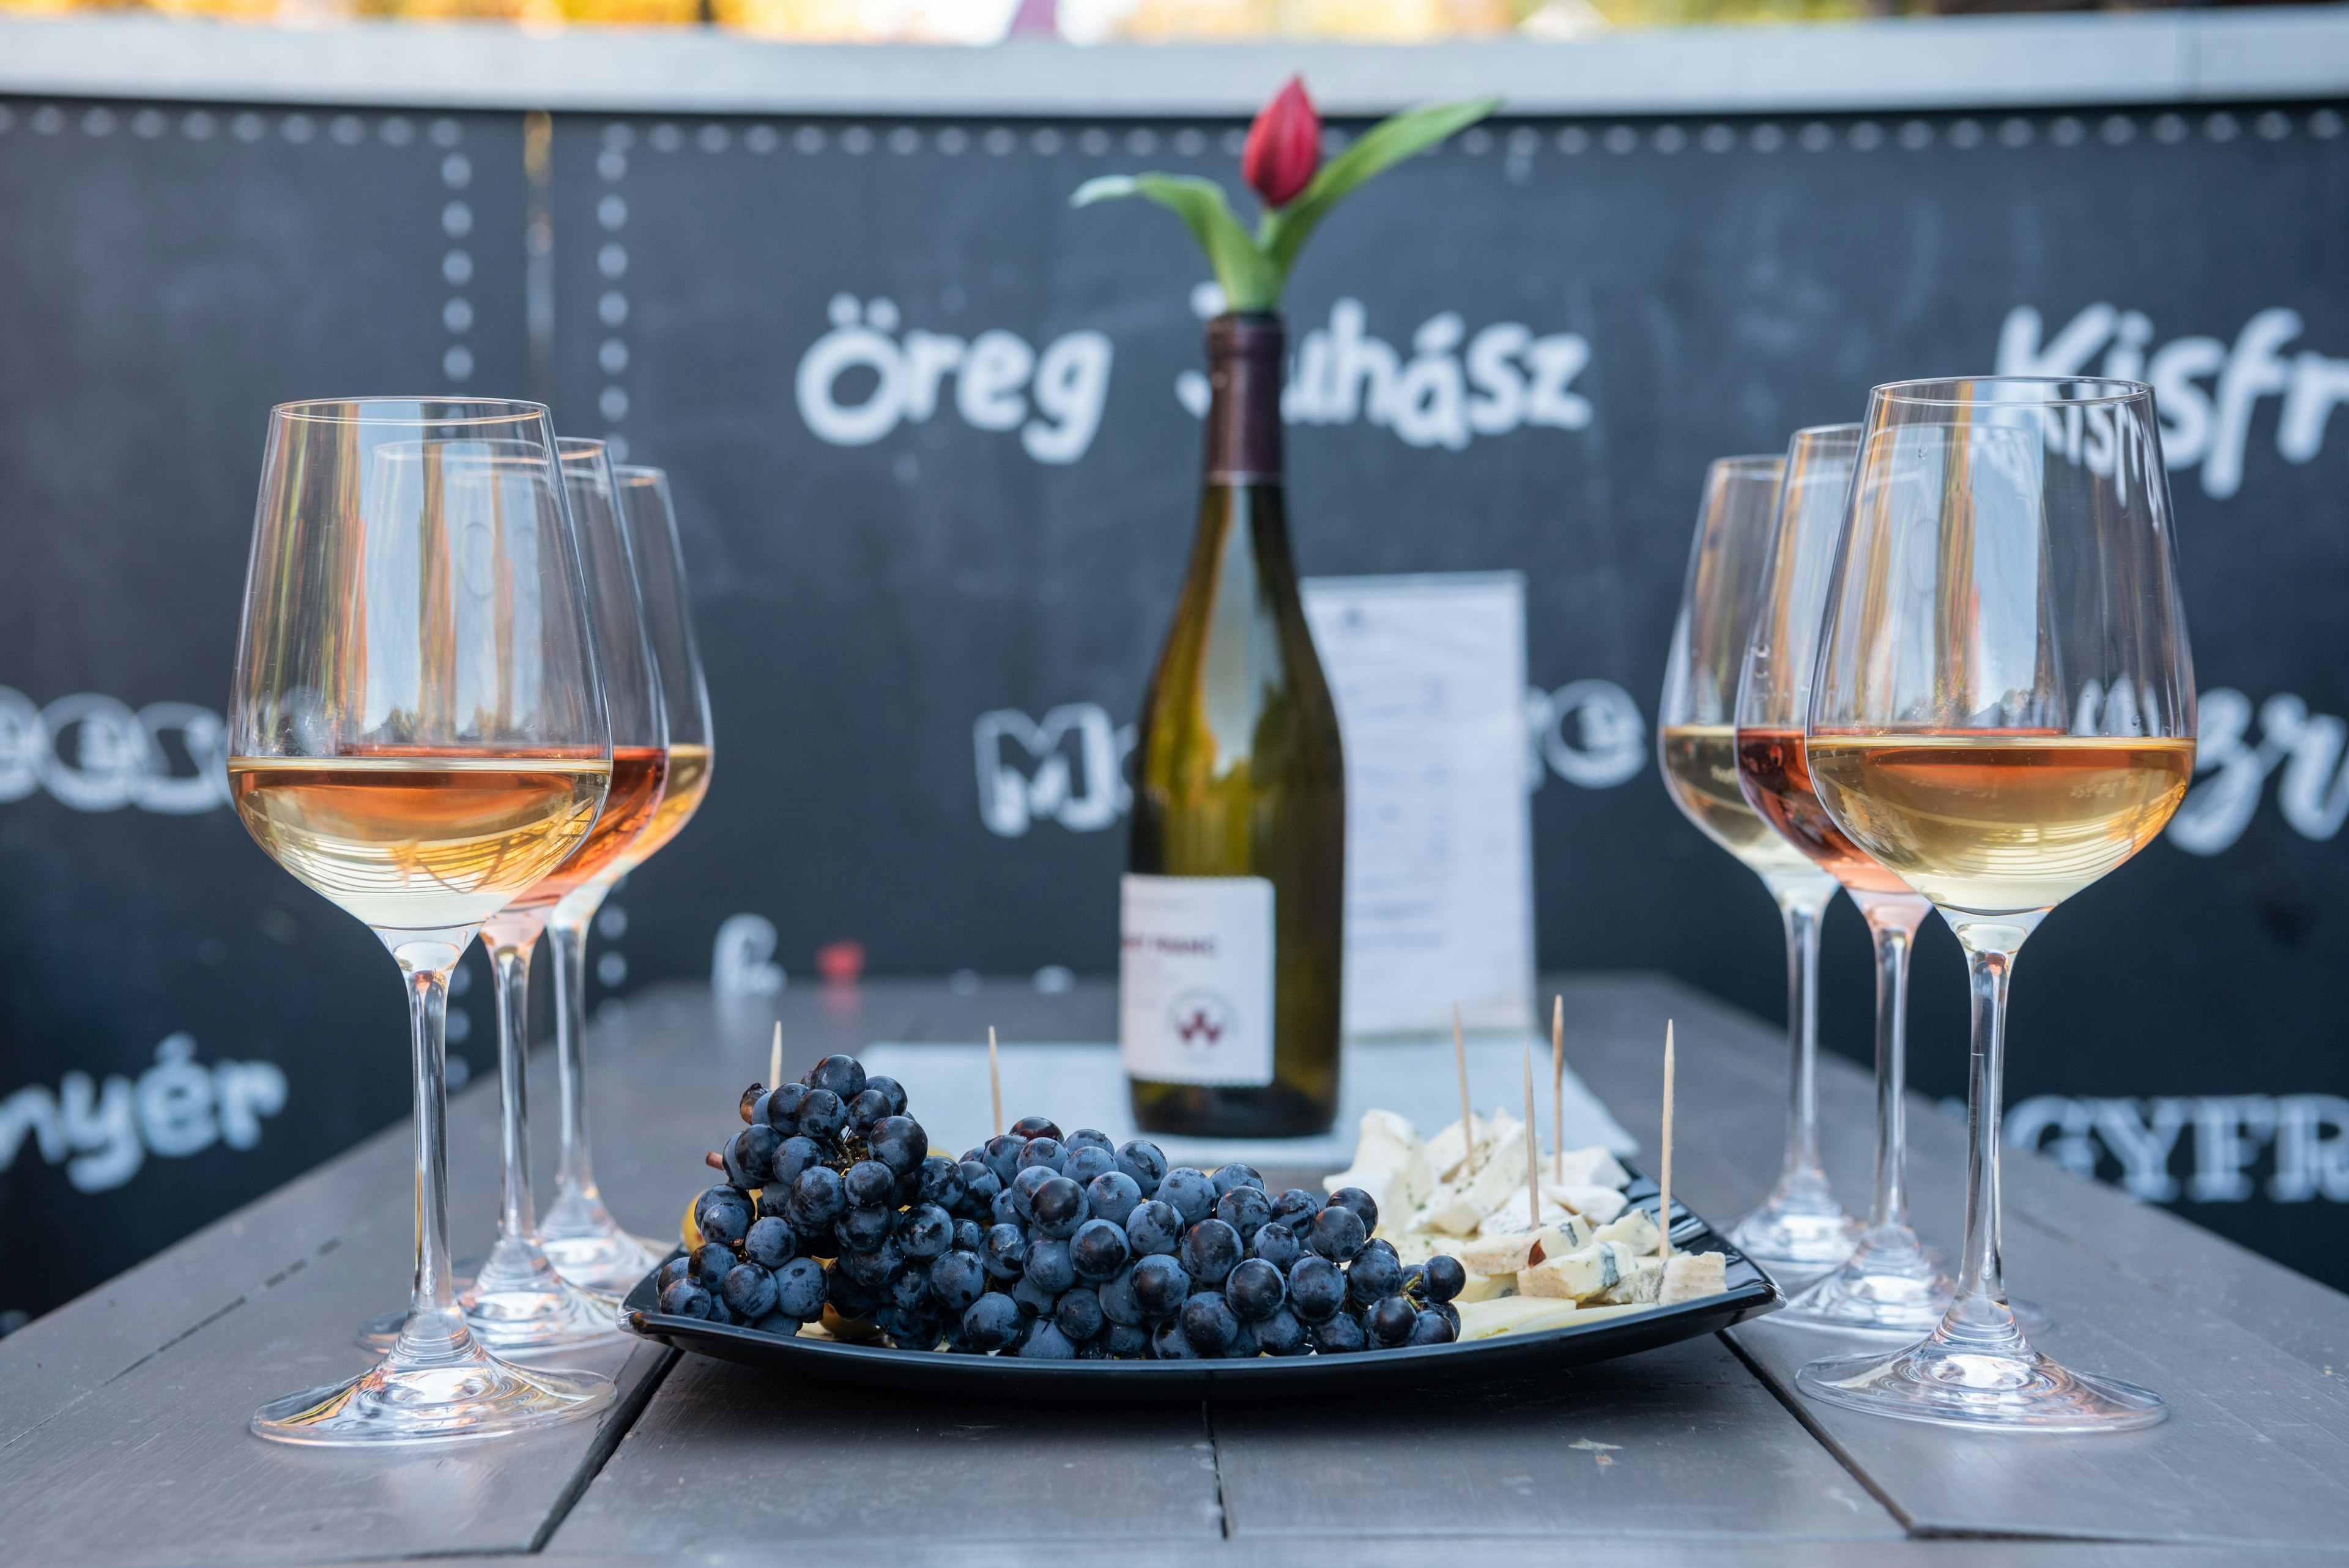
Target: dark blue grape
point(718, 1312)
point(770, 1243)
point(1099, 1249)
point(1432, 1327)
point(1295, 1209)
point(1316, 1289)
point(1001, 1154)
point(1389, 1322)
point(1059, 1208)
point(1045, 1341)
point(1210, 1249)
point(1085, 1163)
point(1337, 1234)
point(683, 1298)
point(799, 1289)
point(1035, 1299)
point(1043, 1151)
point(822, 1116)
point(1144, 1162)
point(862, 1230)
point(1227, 1177)
point(1049, 1265)
point(956, 1279)
point(1168, 1343)
point(1037, 1127)
point(1243, 1346)
point(1189, 1192)
point(1005, 1251)
point(1256, 1290)
point(750, 1292)
point(1246, 1209)
point(753, 1149)
point(1160, 1286)
point(676, 1269)
point(872, 1269)
point(1094, 1349)
point(911, 1328)
point(843, 1076)
point(967, 1234)
point(783, 1108)
point(924, 1231)
point(899, 1143)
point(869, 1184)
point(890, 1087)
point(778, 1325)
point(1443, 1277)
point(1374, 1275)
point(1280, 1334)
point(1118, 1303)
point(979, 1187)
point(1024, 1186)
point(846, 1295)
point(938, 1180)
point(1277, 1244)
point(992, 1322)
point(723, 1214)
point(1003, 1208)
point(1339, 1336)
point(1154, 1228)
point(1208, 1323)
point(1090, 1138)
point(711, 1262)
point(907, 1288)
point(1113, 1195)
point(1127, 1341)
point(866, 1109)
point(774, 1200)
point(1364, 1207)
point(792, 1156)
point(1450, 1316)
point(1080, 1315)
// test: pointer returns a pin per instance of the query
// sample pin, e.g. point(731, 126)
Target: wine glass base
point(522, 1321)
point(1889, 1285)
point(1799, 1232)
point(608, 1261)
point(462, 1397)
point(1948, 1386)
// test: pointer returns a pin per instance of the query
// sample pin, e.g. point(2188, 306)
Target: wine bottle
point(1232, 915)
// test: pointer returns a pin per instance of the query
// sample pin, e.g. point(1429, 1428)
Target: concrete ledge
point(1992, 62)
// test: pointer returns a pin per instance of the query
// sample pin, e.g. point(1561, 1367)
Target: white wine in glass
point(417, 732)
point(2002, 713)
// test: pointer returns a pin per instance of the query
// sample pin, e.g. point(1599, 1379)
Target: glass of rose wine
point(1888, 1283)
point(662, 738)
point(418, 732)
point(2002, 713)
point(1799, 1230)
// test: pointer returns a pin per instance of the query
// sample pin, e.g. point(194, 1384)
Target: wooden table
point(122, 1416)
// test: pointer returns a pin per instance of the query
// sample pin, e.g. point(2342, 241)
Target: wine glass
point(1799, 1229)
point(418, 732)
point(669, 625)
point(2002, 713)
point(579, 1236)
point(1888, 1283)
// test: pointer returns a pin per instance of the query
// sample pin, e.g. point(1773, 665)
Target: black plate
point(1750, 1294)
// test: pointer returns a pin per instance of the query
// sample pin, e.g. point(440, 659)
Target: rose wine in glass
point(1799, 1230)
point(418, 732)
point(1889, 1282)
point(645, 502)
point(2002, 713)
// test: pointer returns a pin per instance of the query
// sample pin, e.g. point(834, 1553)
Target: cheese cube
point(1508, 1253)
point(1384, 1185)
point(1579, 1275)
point(1597, 1204)
point(1524, 1314)
point(1592, 1166)
point(1643, 1281)
point(1636, 1229)
point(1486, 1288)
point(1689, 1275)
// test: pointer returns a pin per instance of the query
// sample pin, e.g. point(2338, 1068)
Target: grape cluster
point(1035, 1244)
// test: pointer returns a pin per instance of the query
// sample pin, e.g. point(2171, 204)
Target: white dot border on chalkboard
point(612, 352)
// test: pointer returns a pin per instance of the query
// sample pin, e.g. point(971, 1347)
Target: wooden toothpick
point(1558, 1089)
point(1468, 1116)
point(1533, 1149)
point(995, 1079)
point(775, 1058)
point(1664, 1183)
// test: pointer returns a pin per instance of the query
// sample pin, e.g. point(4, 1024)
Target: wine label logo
point(1201, 1018)
point(860, 381)
point(2207, 428)
point(94, 754)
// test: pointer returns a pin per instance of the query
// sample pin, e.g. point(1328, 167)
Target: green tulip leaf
point(1284, 230)
point(1249, 280)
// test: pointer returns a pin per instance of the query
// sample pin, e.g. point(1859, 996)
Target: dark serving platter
point(1750, 1294)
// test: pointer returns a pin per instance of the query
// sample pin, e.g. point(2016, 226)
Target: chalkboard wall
point(933, 441)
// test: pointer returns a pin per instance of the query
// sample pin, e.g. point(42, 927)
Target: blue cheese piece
point(1592, 1166)
point(1690, 1275)
point(1636, 1229)
point(1581, 1274)
point(1643, 1281)
point(1509, 1252)
point(1599, 1205)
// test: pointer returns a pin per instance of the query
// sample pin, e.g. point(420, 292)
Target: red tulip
point(1284, 146)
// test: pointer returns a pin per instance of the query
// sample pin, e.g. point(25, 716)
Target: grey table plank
point(1679, 1442)
point(1494, 1551)
point(729, 1456)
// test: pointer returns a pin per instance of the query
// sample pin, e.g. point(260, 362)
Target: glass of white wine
point(2002, 713)
point(1799, 1231)
point(651, 514)
point(418, 732)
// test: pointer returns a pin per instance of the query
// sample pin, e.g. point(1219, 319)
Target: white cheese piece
point(1636, 1229)
point(1579, 1275)
point(1389, 1142)
point(1597, 1204)
point(1592, 1166)
point(1508, 1253)
point(1511, 1214)
point(1528, 1314)
point(1643, 1281)
point(1449, 1148)
point(1486, 1288)
point(1689, 1275)
point(1381, 1183)
point(1450, 1212)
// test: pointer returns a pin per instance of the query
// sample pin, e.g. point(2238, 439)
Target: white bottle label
point(1194, 979)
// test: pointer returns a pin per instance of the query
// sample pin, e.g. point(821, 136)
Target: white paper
point(1195, 976)
point(1428, 673)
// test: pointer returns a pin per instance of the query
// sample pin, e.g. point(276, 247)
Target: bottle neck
point(1244, 369)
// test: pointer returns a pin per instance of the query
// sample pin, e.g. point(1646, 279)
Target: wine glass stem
point(1800, 905)
point(511, 961)
point(1892, 922)
point(434, 1323)
point(1981, 1279)
point(566, 935)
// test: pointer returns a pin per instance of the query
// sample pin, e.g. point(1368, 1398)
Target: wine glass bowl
point(1799, 1230)
point(418, 732)
point(2002, 713)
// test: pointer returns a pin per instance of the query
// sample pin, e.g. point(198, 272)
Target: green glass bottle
point(1232, 913)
